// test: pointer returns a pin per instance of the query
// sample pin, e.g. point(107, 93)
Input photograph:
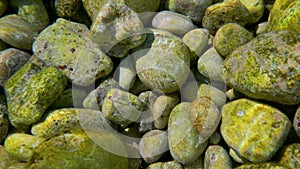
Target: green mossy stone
point(18, 166)
point(254, 130)
point(267, 67)
point(229, 37)
point(296, 122)
point(65, 100)
point(165, 165)
point(217, 157)
point(31, 90)
point(164, 65)
point(233, 154)
point(3, 6)
point(285, 16)
point(5, 159)
point(4, 123)
point(290, 156)
point(261, 166)
point(35, 13)
point(66, 46)
point(11, 60)
point(185, 142)
point(216, 95)
point(76, 150)
point(20, 146)
point(198, 164)
point(16, 32)
point(173, 22)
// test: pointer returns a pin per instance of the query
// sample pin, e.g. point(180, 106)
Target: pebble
point(198, 164)
point(262, 28)
point(296, 122)
point(31, 90)
point(153, 145)
point(165, 165)
point(239, 128)
point(185, 142)
point(11, 60)
point(233, 154)
point(189, 91)
point(261, 166)
point(229, 37)
point(215, 138)
point(254, 71)
point(217, 157)
point(215, 94)
point(126, 74)
point(173, 22)
point(21, 146)
point(16, 32)
point(3, 6)
point(290, 156)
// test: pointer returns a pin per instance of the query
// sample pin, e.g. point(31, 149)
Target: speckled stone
point(165, 65)
point(254, 130)
point(216, 95)
point(185, 142)
point(16, 32)
point(21, 146)
point(296, 122)
point(4, 123)
point(285, 15)
point(122, 107)
point(261, 166)
point(172, 22)
point(254, 70)
point(76, 150)
point(31, 90)
point(11, 60)
point(216, 157)
point(290, 156)
point(63, 120)
point(153, 144)
point(5, 159)
point(35, 13)
point(78, 58)
point(229, 37)
point(192, 9)
point(162, 108)
point(210, 64)
point(165, 165)
point(3, 6)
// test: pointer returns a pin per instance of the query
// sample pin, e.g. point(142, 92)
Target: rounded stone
point(296, 122)
point(270, 165)
point(253, 69)
point(216, 157)
point(153, 144)
point(126, 74)
point(16, 32)
point(205, 117)
point(11, 60)
point(3, 6)
point(5, 159)
point(229, 37)
point(233, 154)
point(4, 123)
point(216, 95)
point(21, 146)
point(285, 15)
point(197, 164)
point(254, 130)
point(185, 142)
point(172, 22)
point(210, 64)
point(165, 165)
point(290, 156)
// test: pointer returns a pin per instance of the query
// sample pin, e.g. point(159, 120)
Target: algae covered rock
point(66, 46)
point(285, 15)
point(229, 37)
point(254, 130)
point(5, 159)
point(165, 165)
point(269, 165)
point(267, 67)
point(76, 150)
point(216, 157)
point(31, 90)
point(290, 156)
point(3, 6)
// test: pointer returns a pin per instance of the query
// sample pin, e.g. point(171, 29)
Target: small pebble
point(296, 122)
point(217, 157)
point(165, 165)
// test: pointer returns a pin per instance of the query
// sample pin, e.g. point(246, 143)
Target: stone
point(233, 154)
point(215, 94)
point(198, 164)
point(284, 15)
point(165, 63)
point(165, 165)
point(75, 150)
point(290, 156)
point(16, 32)
point(261, 28)
point(65, 100)
point(18, 166)
point(253, 129)
point(216, 157)
point(210, 64)
point(267, 67)
point(21, 146)
point(189, 91)
point(126, 74)
point(185, 142)
point(6, 160)
point(261, 166)
point(4, 123)
point(11, 60)
point(173, 22)
point(215, 138)
point(153, 145)
point(3, 6)
point(229, 37)
point(296, 122)
point(31, 90)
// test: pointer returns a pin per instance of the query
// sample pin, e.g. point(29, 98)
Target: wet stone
point(254, 70)
point(165, 165)
point(229, 37)
point(3, 6)
point(216, 157)
point(185, 142)
point(21, 146)
point(153, 144)
point(35, 86)
point(65, 45)
point(215, 94)
point(11, 60)
point(16, 32)
point(290, 156)
point(296, 122)
point(254, 130)
point(173, 22)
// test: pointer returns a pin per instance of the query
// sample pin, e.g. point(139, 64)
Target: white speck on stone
point(240, 113)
